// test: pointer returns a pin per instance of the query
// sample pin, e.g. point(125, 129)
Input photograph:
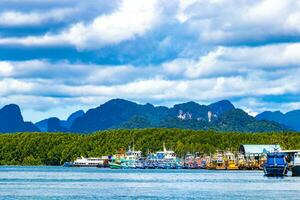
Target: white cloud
point(242, 22)
point(74, 74)
point(5, 69)
point(222, 73)
point(16, 18)
point(211, 22)
point(182, 15)
point(13, 86)
point(131, 19)
point(233, 61)
point(157, 85)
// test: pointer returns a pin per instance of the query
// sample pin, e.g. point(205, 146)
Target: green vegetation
point(57, 148)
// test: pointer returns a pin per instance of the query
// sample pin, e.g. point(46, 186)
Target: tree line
point(57, 148)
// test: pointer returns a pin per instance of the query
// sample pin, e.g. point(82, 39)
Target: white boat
point(296, 164)
point(293, 159)
point(131, 158)
point(132, 154)
point(165, 159)
point(88, 162)
point(166, 154)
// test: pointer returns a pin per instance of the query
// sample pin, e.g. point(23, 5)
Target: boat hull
point(75, 165)
point(275, 170)
point(115, 166)
point(68, 164)
point(71, 164)
point(232, 168)
point(296, 171)
point(220, 166)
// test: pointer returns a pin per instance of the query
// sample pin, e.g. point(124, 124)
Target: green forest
point(57, 148)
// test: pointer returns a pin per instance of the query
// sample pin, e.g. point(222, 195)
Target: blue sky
point(60, 56)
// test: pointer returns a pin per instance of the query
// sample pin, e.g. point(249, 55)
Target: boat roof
point(165, 152)
point(290, 151)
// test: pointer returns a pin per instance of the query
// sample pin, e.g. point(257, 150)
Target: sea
point(94, 183)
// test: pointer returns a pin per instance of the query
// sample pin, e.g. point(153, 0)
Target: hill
point(289, 119)
point(54, 124)
point(11, 120)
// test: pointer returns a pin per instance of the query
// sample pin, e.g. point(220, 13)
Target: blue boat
point(68, 164)
point(165, 159)
point(140, 164)
point(276, 164)
point(203, 164)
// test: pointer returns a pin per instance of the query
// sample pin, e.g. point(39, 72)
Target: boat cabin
point(89, 161)
point(137, 154)
point(276, 159)
point(165, 154)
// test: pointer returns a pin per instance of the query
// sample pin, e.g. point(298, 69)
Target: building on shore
point(254, 150)
point(254, 156)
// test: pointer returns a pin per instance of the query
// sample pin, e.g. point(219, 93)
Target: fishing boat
point(276, 164)
point(293, 158)
point(165, 159)
point(203, 162)
point(116, 164)
point(230, 161)
point(190, 162)
point(220, 163)
point(117, 160)
point(193, 161)
point(210, 162)
point(128, 160)
point(166, 154)
point(242, 164)
point(296, 164)
point(231, 165)
point(140, 163)
point(132, 159)
point(88, 162)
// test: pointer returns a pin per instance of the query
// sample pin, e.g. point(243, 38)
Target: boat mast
point(164, 146)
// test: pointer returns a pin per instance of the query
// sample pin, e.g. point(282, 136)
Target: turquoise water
point(92, 183)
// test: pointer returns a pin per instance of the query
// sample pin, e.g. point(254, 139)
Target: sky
point(57, 57)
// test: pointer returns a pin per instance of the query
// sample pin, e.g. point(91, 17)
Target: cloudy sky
point(60, 56)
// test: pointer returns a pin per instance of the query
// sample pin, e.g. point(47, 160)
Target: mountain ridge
point(290, 119)
point(11, 120)
point(121, 113)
